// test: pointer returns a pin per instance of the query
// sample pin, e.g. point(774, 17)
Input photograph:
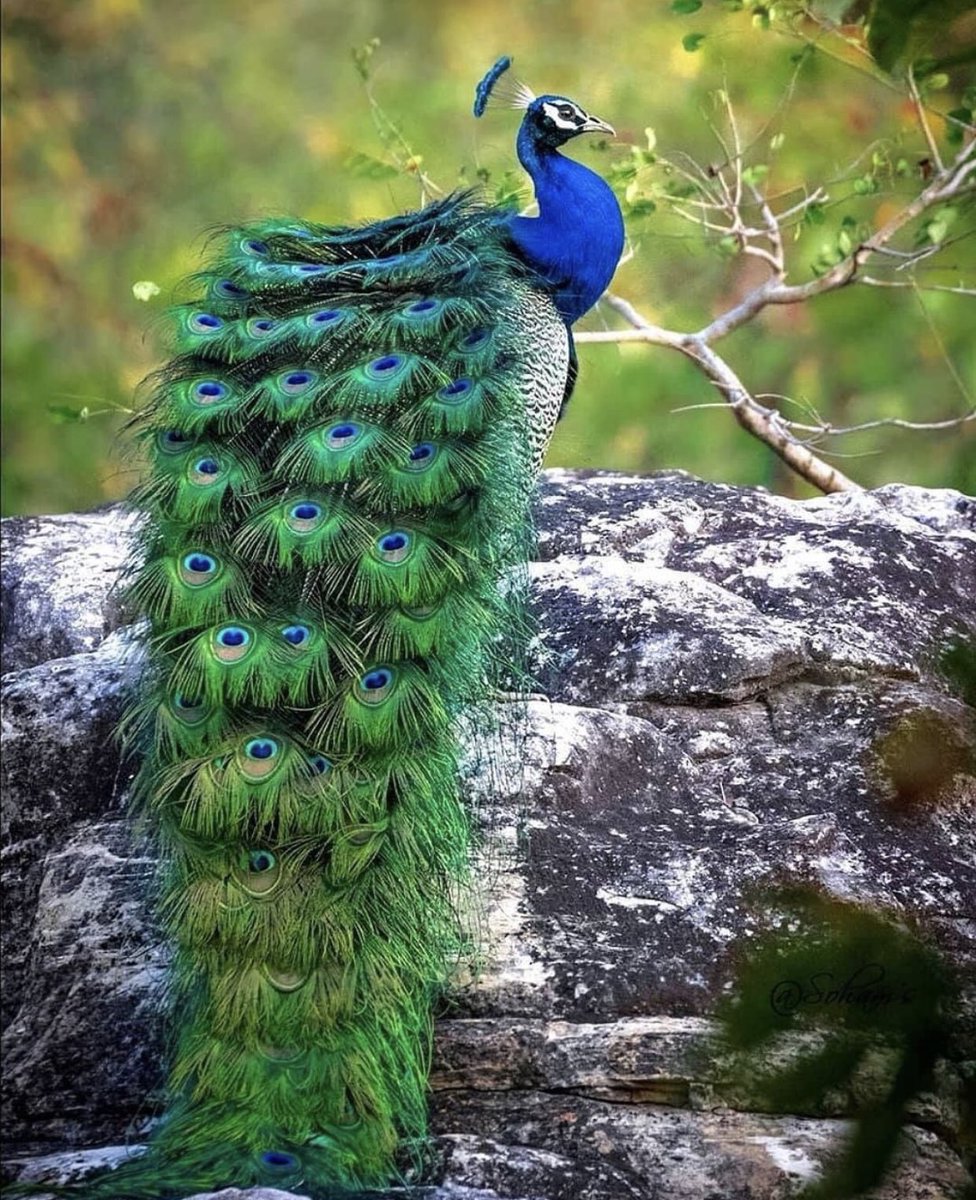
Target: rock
point(726, 672)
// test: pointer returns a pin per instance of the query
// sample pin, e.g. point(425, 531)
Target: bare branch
point(827, 430)
point(922, 121)
point(870, 281)
point(763, 423)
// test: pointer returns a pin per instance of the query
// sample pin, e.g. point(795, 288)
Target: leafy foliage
point(856, 992)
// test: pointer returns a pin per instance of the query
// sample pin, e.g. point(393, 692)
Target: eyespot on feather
point(318, 764)
point(477, 339)
point(207, 392)
point(422, 457)
point(204, 472)
point(385, 368)
point(342, 436)
point(260, 758)
point(296, 382)
point(261, 327)
point(259, 873)
point(455, 392)
point(304, 517)
point(231, 643)
point(324, 317)
point(197, 569)
point(393, 547)
point(278, 1158)
point(376, 686)
point(173, 441)
point(285, 981)
point(191, 711)
point(204, 323)
point(227, 289)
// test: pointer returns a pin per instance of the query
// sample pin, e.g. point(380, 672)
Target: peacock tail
point(342, 451)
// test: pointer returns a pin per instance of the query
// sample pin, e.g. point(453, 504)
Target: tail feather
point(340, 475)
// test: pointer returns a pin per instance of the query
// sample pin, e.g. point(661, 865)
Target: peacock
point(343, 451)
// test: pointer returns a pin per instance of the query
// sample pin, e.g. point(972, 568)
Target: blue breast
point(576, 240)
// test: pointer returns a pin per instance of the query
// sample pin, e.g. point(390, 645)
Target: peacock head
point(549, 120)
point(553, 120)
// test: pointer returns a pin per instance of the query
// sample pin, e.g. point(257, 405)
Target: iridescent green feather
point(339, 478)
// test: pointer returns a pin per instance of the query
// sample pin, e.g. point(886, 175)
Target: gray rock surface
point(719, 667)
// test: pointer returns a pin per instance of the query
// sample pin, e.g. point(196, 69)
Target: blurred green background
point(130, 126)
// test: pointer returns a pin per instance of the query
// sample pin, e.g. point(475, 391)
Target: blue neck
point(576, 240)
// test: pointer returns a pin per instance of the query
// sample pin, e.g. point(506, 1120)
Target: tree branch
point(764, 423)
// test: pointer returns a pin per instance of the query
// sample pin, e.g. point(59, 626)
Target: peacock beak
point(595, 125)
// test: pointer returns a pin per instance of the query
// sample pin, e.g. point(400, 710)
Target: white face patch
point(564, 114)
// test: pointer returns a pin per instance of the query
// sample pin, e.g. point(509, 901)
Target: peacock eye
point(260, 861)
point(261, 327)
point(278, 1161)
point(422, 456)
point(343, 435)
point(376, 685)
point(394, 547)
point(326, 317)
point(227, 289)
point(383, 368)
point(203, 322)
point(454, 392)
point(296, 382)
point(209, 391)
point(296, 635)
point(172, 441)
point(198, 568)
point(261, 749)
point(255, 246)
point(475, 339)
point(207, 466)
point(318, 764)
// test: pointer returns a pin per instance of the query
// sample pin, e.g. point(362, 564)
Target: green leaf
point(685, 7)
point(814, 214)
point(367, 167)
point(642, 207)
point(937, 226)
point(776, 141)
point(844, 242)
point(691, 41)
point(755, 174)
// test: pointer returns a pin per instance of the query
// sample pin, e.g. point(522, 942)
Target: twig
point(828, 430)
point(922, 121)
